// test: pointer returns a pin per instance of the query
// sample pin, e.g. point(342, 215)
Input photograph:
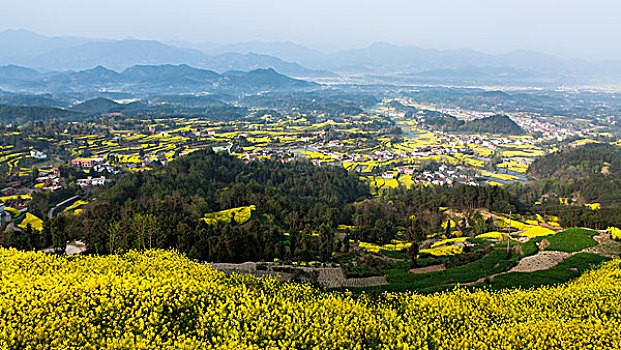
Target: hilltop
point(96, 105)
point(584, 174)
point(496, 124)
point(297, 195)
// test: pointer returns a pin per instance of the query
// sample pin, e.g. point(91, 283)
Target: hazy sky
point(572, 28)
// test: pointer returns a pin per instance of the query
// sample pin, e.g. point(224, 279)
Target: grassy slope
point(561, 273)
point(401, 280)
point(571, 240)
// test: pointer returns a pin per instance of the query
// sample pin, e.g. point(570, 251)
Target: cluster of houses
point(97, 164)
point(87, 163)
point(49, 179)
point(10, 188)
point(386, 155)
point(445, 175)
point(548, 130)
point(91, 181)
point(19, 203)
point(196, 132)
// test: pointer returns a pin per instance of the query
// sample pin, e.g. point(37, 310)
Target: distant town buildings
point(90, 181)
point(86, 163)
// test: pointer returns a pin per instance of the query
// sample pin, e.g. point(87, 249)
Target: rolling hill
point(96, 105)
point(496, 124)
point(591, 159)
point(22, 114)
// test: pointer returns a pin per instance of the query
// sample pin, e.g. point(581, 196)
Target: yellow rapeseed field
point(443, 251)
point(449, 240)
point(35, 222)
point(492, 235)
point(537, 231)
point(162, 300)
point(394, 246)
point(241, 215)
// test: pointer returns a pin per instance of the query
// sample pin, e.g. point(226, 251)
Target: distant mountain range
point(32, 50)
point(380, 62)
point(400, 64)
point(148, 79)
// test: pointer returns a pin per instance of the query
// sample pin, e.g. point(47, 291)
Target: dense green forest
point(586, 174)
point(590, 159)
point(590, 173)
point(299, 206)
point(163, 208)
point(212, 109)
point(328, 102)
point(496, 124)
point(416, 211)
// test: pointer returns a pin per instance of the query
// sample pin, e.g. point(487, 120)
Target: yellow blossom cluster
point(240, 215)
point(493, 235)
point(394, 245)
point(443, 251)
point(615, 232)
point(448, 241)
point(76, 205)
point(162, 300)
point(537, 231)
point(515, 224)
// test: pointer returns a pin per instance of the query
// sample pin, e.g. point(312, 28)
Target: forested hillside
point(23, 114)
point(163, 208)
point(418, 211)
point(591, 159)
point(215, 207)
point(496, 124)
point(588, 174)
point(568, 179)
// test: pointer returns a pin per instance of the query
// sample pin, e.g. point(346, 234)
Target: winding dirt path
point(543, 260)
point(426, 269)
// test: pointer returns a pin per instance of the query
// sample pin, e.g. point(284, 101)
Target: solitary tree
point(413, 251)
